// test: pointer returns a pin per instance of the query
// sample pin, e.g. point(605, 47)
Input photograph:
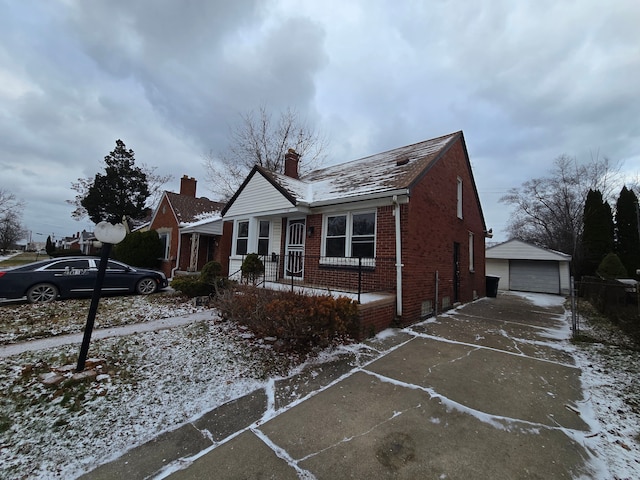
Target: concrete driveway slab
point(243, 457)
point(366, 427)
point(489, 381)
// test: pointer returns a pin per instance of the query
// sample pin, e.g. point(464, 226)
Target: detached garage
point(527, 268)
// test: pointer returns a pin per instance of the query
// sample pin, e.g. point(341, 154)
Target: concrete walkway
point(486, 391)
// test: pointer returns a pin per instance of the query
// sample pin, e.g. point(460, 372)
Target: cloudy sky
point(526, 81)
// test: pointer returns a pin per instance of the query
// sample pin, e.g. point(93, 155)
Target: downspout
point(173, 270)
point(399, 265)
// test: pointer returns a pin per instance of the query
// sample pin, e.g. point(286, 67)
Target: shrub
point(611, 267)
point(303, 322)
point(210, 272)
point(252, 267)
point(67, 253)
point(207, 283)
point(191, 286)
point(140, 249)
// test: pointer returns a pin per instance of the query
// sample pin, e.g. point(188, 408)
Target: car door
point(118, 277)
point(72, 276)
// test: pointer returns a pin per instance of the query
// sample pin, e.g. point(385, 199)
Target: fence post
point(359, 277)
point(574, 313)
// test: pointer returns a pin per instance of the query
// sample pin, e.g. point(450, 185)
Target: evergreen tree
point(627, 236)
point(120, 192)
point(140, 249)
point(598, 232)
point(611, 267)
point(49, 248)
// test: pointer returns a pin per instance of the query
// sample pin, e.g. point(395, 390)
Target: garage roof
point(519, 250)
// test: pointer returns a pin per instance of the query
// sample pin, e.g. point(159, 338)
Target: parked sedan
point(66, 277)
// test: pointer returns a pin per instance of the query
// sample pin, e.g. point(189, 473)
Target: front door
point(294, 253)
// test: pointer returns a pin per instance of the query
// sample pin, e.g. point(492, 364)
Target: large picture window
point(242, 238)
point(351, 235)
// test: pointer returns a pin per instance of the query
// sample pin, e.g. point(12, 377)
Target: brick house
point(404, 229)
point(190, 228)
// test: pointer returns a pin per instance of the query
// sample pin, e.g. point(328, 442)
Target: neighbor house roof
point(188, 209)
point(381, 174)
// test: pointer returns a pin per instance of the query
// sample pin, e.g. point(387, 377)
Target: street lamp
point(108, 234)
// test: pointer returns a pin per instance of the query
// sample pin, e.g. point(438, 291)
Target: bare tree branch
point(260, 140)
point(548, 211)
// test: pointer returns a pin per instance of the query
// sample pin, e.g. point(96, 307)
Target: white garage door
point(541, 276)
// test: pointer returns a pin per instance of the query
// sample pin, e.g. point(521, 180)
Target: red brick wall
point(429, 244)
point(223, 252)
point(165, 221)
point(375, 318)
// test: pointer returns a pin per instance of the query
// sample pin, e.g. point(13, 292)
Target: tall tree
point(49, 248)
point(121, 192)
point(627, 234)
point(155, 183)
point(598, 231)
point(259, 139)
point(11, 228)
point(548, 210)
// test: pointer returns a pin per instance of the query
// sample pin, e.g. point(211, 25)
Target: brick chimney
point(188, 186)
point(291, 159)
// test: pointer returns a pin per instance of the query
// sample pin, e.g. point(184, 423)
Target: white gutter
point(173, 270)
point(399, 265)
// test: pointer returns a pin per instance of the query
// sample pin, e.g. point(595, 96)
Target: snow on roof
point(382, 172)
point(202, 218)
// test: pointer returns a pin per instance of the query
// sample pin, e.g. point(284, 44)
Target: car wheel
point(42, 293)
point(146, 286)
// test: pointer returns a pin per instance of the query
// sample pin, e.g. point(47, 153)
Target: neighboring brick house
point(407, 222)
point(189, 227)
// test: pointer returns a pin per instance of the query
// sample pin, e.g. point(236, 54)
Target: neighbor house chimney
point(291, 159)
point(188, 186)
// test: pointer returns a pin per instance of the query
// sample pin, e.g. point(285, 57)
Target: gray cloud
point(525, 81)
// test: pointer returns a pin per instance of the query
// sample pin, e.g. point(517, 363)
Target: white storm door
point(294, 253)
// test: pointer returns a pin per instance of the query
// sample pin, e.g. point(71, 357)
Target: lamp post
point(109, 235)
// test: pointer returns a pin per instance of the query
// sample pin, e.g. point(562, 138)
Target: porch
point(363, 279)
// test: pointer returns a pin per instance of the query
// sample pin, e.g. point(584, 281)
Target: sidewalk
point(49, 342)
point(485, 391)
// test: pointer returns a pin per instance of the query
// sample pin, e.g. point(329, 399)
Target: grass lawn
point(23, 259)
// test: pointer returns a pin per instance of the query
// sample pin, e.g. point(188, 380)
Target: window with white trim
point(459, 198)
point(350, 235)
point(166, 242)
point(242, 237)
point(264, 226)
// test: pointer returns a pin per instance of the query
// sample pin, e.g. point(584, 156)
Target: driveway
point(485, 391)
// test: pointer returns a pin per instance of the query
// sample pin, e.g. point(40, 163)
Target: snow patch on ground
point(164, 378)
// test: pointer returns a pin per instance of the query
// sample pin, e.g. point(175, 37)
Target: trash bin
point(492, 285)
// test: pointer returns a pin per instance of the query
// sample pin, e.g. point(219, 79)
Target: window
point(363, 238)
point(263, 237)
point(471, 261)
point(336, 236)
point(351, 235)
point(164, 238)
point(459, 198)
point(242, 238)
point(67, 265)
point(114, 267)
